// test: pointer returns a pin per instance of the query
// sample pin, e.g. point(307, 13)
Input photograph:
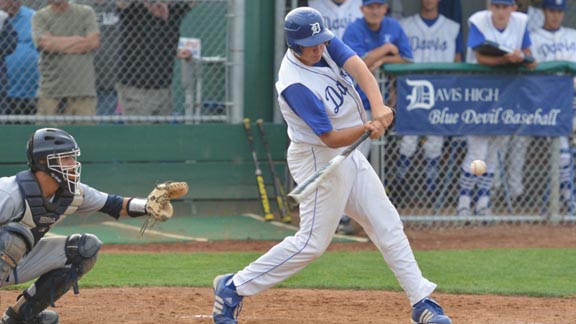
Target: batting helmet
point(46, 150)
point(304, 26)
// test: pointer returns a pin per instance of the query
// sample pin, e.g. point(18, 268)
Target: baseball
point(478, 167)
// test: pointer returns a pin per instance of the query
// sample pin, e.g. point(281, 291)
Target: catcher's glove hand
point(158, 206)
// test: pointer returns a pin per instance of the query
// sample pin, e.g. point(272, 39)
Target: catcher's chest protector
point(39, 214)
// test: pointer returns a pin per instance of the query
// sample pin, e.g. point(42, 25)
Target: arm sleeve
point(339, 51)
point(113, 206)
point(308, 107)
point(475, 37)
point(526, 42)
point(91, 22)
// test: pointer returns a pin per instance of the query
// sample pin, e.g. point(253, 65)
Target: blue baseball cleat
point(227, 302)
point(428, 311)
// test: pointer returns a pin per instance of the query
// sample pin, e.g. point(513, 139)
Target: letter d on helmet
point(304, 26)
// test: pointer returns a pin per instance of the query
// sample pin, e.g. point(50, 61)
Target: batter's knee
point(82, 251)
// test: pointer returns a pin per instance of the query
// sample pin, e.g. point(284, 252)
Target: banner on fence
point(536, 105)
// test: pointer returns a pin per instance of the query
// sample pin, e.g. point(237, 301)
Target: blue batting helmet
point(304, 26)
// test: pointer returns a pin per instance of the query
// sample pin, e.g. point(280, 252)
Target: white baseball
point(478, 167)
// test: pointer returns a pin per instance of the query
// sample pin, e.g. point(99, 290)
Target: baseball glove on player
point(158, 206)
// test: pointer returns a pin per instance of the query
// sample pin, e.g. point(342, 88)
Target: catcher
point(32, 201)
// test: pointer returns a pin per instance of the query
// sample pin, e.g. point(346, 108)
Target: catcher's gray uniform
point(49, 252)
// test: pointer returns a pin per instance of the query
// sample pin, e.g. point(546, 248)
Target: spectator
point(149, 37)
point(106, 58)
point(338, 14)
point(554, 42)
point(22, 65)
point(500, 24)
point(434, 38)
point(8, 42)
point(66, 35)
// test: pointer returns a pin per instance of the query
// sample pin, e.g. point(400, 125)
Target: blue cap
point(369, 2)
point(554, 4)
point(504, 2)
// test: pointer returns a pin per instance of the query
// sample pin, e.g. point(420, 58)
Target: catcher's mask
point(304, 26)
point(55, 152)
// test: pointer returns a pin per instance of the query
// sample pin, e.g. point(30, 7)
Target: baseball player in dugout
point(32, 201)
point(503, 25)
point(555, 42)
point(324, 115)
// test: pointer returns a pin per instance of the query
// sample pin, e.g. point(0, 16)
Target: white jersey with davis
point(510, 37)
point(436, 43)
point(331, 84)
point(557, 45)
point(338, 16)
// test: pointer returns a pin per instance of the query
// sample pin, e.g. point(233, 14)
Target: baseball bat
point(268, 216)
point(313, 181)
point(278, 188)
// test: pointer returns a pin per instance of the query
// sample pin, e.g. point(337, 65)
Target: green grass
point(531, 272)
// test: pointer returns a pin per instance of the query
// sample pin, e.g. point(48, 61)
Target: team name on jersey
point(335, 95)
point(561, 46)
point(421, 44)
point(338, 23)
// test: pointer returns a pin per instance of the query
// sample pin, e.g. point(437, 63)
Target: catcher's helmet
point(55, 152)
point(304, 26)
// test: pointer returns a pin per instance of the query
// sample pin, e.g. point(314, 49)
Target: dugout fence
point(542, 199)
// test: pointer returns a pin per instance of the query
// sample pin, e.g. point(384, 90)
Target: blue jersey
point(363, 40)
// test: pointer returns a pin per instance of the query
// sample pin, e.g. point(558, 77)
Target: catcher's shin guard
point(45, 317)
point(81, 251)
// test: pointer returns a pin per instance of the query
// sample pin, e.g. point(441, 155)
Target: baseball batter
point(324, 114)
point(554, 42)
point(33, 201)
point(433, 38)
point(500, 24)
point(338, 14)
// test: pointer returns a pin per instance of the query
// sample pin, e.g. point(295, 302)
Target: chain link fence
point(166, 62)
point(528, 186)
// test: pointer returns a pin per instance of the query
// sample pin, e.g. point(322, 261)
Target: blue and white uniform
point(431, 40)
point(363, 40)
point(488, 148)
point(558, 45)
point(337, 16)
point(313, 101)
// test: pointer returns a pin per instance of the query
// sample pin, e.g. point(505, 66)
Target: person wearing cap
point(324, 115)
point(554, 42)
point(501, 24)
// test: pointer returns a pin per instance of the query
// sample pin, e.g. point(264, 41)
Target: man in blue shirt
point(22, 65)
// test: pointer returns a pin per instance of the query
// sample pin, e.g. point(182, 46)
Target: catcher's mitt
point(158, 206)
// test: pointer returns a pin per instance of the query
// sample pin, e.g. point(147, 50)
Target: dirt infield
point(302, 306)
